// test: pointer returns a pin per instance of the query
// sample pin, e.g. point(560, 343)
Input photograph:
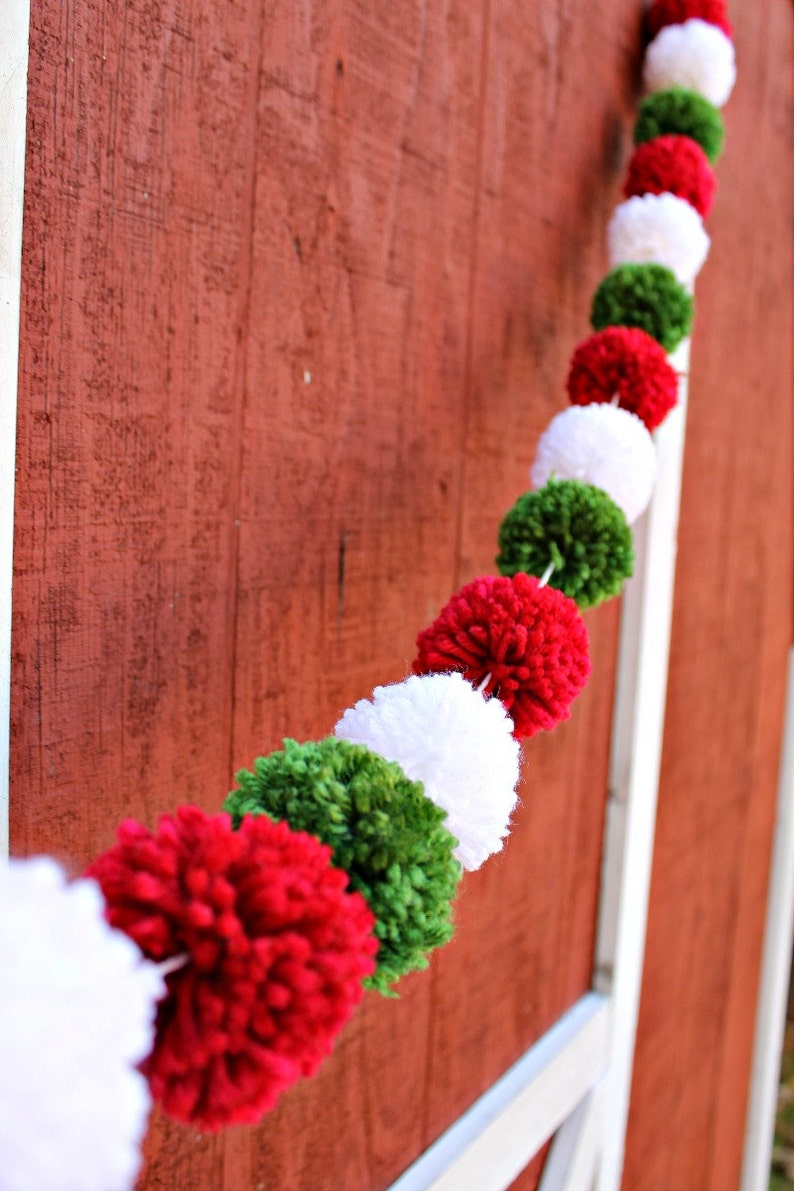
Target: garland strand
point(227, 951)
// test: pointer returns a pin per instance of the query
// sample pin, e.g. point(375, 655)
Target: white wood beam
point(635, 761)
point(572, 1160)
point(775, 971)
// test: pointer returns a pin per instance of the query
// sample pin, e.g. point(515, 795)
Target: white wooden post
point(572, 1159)
point(775, 971)
point(638, 728)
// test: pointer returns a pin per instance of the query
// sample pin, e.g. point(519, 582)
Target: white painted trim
point(14, 27)
point(775, 970)
point(491, 1143)
point(571, 1163)
point(638, 728)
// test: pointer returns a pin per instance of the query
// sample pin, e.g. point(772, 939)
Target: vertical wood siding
point(301, 282)
point(731, 632)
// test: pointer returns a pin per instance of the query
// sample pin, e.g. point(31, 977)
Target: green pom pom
point(685, 113)
point(384, 832)
point(578, 528)
point(647, 296)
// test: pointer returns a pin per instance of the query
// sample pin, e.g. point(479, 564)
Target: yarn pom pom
point(675, 12)
point(676, 165)
point(78, 1016)
point(696, 56)
point(459, 744)
point(680, 112)
point(624, 362)
point(384, 832)
point(527, 644)
point(660, 228)
point(576, 527)
point(647, 296)
point(269, 955)
point(601, 445)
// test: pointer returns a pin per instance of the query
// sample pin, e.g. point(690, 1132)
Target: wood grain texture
point(135, 268)
point(287, 290)
point(731, 633)
point(301, 281)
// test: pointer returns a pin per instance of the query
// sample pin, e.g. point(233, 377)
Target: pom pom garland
point(576, 527)
point(658, 228)
point(387, 836)
point(681, 112)
point(673, 164)
point(460, 745)
point(78, 1007)
point(675, 12)
point(263, 950)
point(696, 56)
point(601, 445)
point(526, 643)
point(647, 296)
point(627, 363)
point(275, 952)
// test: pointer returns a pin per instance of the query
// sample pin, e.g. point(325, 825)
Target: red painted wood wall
point(301, 282)
point(732, 628)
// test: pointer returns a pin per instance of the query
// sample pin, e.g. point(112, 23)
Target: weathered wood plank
point(14, 23)
point(136, 262)
point(549, 168)
point(731, 634)
point(360, 271)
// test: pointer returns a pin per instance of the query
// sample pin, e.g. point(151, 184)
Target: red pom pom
point(529, 641)
point(675, 12)
point(275, 951)
point(627, 363)
point(675, 165)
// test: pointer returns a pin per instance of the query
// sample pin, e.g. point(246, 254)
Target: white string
point(547, 574)
point(173, 964)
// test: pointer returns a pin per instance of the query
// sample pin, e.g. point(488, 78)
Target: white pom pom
point(601, 445)
point(694, 55)
point(660, 228)
point(445, 734)
point(78, 1005)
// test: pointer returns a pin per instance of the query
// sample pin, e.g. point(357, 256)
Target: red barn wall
point(732, 629)
point(301, 282)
